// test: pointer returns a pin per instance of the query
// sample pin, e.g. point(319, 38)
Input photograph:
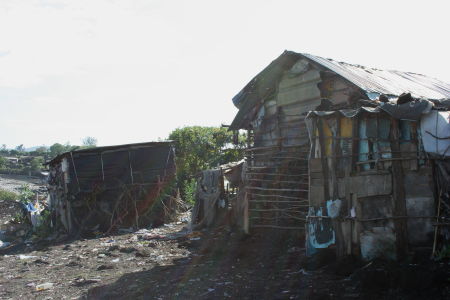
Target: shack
point(372, 182)
point(104, 188)
point(280, 188)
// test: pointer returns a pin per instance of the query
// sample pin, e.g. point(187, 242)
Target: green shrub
point(26, 194)
point(201, 148)
point(44, 229)
point(190, 187)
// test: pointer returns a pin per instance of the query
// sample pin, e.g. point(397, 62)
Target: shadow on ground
point(222, 265)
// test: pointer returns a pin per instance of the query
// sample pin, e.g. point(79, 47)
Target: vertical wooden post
point(323, 159)
point(75, 171)
point(246, 221)
point(398, 194)
point(103, 170)
point(356, 203)
point(131, 168)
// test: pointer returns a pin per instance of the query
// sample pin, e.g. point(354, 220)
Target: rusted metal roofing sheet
point(372, 81)
point(110, 148)
point(387, 82)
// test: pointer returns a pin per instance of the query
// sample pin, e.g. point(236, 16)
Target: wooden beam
point(398, 193)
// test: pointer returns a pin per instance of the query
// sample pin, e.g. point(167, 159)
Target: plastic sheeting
point(207, 198)
point(435, 132)
point(408, 111)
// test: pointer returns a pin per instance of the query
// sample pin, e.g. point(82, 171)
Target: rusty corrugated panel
point(388, 82)
point(372, 81)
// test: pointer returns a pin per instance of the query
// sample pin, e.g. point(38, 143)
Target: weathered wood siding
point(278, 168)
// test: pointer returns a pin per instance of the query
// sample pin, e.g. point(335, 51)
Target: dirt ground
point(171, 262)
point(13, 183)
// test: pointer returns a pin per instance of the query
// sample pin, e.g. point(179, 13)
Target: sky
point(132, 71)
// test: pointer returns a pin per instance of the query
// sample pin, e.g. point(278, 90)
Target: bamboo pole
point(436, 229)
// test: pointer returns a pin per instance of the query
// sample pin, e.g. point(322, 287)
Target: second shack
point(104, 188)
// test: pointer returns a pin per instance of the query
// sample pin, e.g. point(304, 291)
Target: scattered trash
point(22, 257)
point(113, 248)
point(116, 260)
point(301, 271)
point(125, 230)
point(105, 267)
point(82, 281)
point(44, 286)
point(295, 249)
point(206, 293)
point(4, 244)
point(194, 234)
point(127, 249)
point(108, 242)
point(152, 245)
point(73, 264)
point(142, 253)
point(148, 237)
point(40, 262)
point(142, 231)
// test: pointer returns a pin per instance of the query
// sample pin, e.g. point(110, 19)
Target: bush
point(37, 163)
point(190, 188)
point(8, 196)
point(3, 162)
point(26, 194)
point(200, 148)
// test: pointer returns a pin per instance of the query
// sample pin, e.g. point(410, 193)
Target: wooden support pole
point(103, 169)
point(75, 171)
point(398, 194)
point(326, 188)
point(131, 168)
point(246, 217)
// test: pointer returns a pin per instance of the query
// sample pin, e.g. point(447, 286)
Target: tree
point(56, 149)
point(200, 148)
point(41, 150)
point(89, 142)
point(3, 162)
point(3, 150)
point(20, 148)
point(36, 163)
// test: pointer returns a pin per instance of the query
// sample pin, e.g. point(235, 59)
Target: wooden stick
point(278, 196)
point(280, 190)
point(279, 174)
point(277, 227)
point(276, 201)
point(277, 181)
point(437, 227)
point(276, 209)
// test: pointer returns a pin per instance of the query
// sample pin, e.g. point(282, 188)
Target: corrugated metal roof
point(372, 81)
point(110, 148)
point(386, 82)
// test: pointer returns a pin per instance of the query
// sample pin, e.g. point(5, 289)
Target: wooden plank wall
point(277, 187)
